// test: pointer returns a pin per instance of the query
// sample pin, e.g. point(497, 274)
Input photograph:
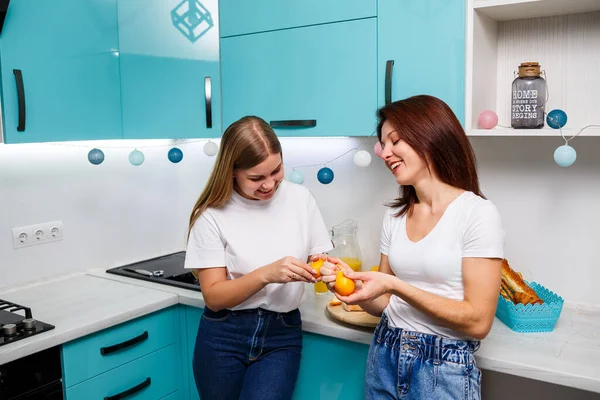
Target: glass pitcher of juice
point(345, 244)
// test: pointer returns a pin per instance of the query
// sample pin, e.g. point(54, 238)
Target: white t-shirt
point(470, 227)
point(247, 234)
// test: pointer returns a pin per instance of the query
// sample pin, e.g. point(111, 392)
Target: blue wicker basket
point(531, 318)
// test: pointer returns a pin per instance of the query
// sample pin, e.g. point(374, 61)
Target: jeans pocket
point(292, 319)
point(215, 316)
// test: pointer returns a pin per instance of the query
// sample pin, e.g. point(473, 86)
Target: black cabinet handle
point(129, 392)
point(20, 99)
point(388, 81)
point(294, 123)
point(208, 100)
point(128, 343)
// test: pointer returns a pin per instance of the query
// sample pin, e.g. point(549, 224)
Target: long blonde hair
point(245, 144)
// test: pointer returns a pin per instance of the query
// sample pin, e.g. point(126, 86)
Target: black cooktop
point(17, 322)
point(165, 270)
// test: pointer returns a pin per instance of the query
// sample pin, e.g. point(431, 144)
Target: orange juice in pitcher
point(345, 244)
point(353, 262)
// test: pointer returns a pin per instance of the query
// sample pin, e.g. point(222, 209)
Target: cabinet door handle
point(388, 81)
point(120, 346)
point(126, 393)
point(20, 99)
point(208, 100)
point(294, 123)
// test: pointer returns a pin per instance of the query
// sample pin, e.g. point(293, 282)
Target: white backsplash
point(116, 213)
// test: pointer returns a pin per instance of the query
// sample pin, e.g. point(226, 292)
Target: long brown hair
point(245, 144)
point(430, 127)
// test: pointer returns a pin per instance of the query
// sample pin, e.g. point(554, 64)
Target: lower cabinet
point(151, 377)
point(139, 360)
point(190, 322)
point(331, 369)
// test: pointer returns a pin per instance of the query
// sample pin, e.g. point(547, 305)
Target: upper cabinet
point(318, 80)
point(169, 59)
point(60, 71)
point(110, 69)
point(421, 50)
point(240, 17)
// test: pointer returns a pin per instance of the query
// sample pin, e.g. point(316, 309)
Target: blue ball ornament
point(96, 156)
point(296, 177)
point(556, 119)
point(136, 158)
point(325, 175)
point(175, 155)
point(565, 155)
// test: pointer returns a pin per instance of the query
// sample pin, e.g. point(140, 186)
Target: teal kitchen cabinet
point(141, 357)
point(318, 80)
point(240, 17)
point(421, 50)
point(331, 369)
point(190, 322)
point(169, 60)
point(60, 71)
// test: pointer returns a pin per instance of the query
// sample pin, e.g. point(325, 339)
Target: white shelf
point(545, 132)
point(565, 45)
point(506, 10)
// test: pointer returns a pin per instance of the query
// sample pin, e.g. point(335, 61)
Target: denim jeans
point(414, 365)
point(248, 354)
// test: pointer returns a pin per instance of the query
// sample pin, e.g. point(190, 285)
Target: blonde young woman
point(251, 234)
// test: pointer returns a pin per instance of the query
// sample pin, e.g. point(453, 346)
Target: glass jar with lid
point(528, 97)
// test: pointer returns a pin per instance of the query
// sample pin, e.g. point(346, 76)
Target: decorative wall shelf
point(506, 10)
point(562, 35)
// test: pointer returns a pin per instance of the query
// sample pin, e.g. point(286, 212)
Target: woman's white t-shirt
point(470, 227)
point(247, 234)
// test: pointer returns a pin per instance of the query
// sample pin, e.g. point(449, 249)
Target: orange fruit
point(375, 268)
point(343, 285)
point(317, 264)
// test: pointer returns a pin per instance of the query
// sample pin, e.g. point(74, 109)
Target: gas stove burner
point(17, 322)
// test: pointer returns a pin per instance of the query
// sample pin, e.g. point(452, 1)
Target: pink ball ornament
point(488, 119)
point(377, 149)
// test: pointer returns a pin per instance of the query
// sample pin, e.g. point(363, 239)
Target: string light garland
point(325, 175)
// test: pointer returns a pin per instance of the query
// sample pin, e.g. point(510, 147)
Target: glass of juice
point(320, 288)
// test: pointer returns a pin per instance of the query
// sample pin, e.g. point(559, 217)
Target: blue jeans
point(414, 365)
point(248, 354)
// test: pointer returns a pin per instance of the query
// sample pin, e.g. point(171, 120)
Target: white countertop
point(81, 304)
point(78, 305)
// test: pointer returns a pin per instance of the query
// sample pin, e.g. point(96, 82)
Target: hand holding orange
point(344, 286)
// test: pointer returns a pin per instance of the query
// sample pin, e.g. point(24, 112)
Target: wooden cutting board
point(359, 318)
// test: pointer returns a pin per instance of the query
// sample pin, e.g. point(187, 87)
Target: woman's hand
point(330, 269)
point(372, 285)
point(288, 269)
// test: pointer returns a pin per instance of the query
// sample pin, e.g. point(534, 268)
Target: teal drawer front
point(331, 369)
point(325, 73)
point(173, 396)
point(240, 17)
point(83, 358)
point(426, 41)
point(148, 378)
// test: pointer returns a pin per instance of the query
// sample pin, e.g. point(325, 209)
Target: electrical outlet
point(31, 235)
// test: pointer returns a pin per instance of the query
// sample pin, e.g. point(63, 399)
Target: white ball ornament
point(362, 158)
point(211, 148)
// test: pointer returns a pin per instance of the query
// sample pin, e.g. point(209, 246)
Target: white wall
point(116, 213)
